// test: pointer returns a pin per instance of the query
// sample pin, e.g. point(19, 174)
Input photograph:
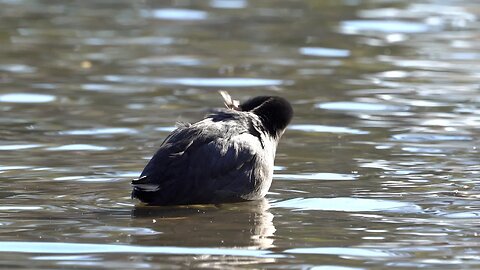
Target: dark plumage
point(226, 157)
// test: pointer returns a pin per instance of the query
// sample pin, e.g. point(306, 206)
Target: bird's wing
point(169, 152)
point(192, 165)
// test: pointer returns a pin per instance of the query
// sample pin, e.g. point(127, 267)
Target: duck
point(226, 157)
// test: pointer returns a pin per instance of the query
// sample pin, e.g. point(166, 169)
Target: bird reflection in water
point(238, 225)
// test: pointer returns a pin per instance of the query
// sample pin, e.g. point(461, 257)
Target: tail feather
point(144, 184)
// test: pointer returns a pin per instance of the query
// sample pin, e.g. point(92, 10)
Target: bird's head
point(275, 112)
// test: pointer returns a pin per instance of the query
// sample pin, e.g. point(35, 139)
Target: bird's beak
point(229, 102)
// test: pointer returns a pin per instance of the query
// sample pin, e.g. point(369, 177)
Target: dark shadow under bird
point(226, 157)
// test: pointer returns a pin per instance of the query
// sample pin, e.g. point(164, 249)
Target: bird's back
point(218, 159)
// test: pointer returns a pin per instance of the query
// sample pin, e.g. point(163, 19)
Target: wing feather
point(201, 163)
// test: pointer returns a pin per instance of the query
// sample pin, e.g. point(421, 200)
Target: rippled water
point(377, 171)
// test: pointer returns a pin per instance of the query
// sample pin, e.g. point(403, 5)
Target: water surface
point(378, 170)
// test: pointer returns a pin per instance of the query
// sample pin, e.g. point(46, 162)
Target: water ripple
point(328, 129)
point(82, 248)
point(342, 251)
point(11, 147)
point(316, 176)
point(383, 26)
point(325, 52)
point(19, 207)
point(93, 179)
point(114, 88)
point(228, 4)
point(347, 205)
point(200, 82)
point(178, 60)
point(427, 150)
point(176, 14)
point(118, 41)
point(78, 147)
point(26, 98)
point(17, 68)
point(424, 137)
point(9, 168)
point(166, 129)
point(99, 131)
point(359, 106)
point(129, 230)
